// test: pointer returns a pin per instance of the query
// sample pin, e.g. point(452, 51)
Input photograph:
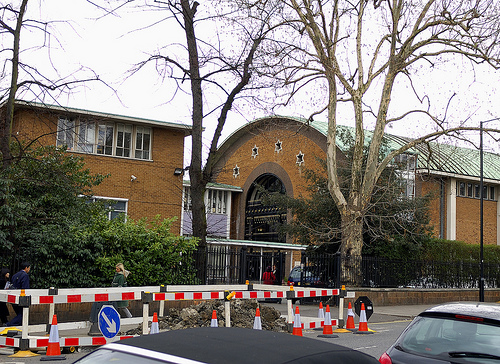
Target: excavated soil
point(242, 315)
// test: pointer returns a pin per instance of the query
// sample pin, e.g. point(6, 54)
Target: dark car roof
point(237, 345)
point(485, 310)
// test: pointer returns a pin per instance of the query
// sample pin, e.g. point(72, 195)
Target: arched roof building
point(275, 151)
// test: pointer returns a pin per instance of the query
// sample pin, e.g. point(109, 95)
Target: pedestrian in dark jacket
point(20, 280)
point(4, 284)
point(120, 280)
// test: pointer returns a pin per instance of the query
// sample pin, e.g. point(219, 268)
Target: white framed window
point(86, 137)
point(473, 190)
point(66, 133)
point(217, 201)
point(114, 206)
point(123, 140)
point(105, 138)
point(142, 142)
point(105, 134)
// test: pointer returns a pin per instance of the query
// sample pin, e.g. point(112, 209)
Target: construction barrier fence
point(52, 297)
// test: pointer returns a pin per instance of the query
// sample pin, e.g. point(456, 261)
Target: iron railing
point(231, 265)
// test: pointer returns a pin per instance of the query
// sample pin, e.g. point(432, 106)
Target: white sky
point(110, 46)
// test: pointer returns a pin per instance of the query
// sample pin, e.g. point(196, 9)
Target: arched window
point(261, 220)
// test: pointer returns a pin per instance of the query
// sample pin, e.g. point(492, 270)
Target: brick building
point(273, 152)
point(140, 156)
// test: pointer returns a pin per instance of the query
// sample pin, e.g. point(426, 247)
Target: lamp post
point(481, 227)
point(481, 217)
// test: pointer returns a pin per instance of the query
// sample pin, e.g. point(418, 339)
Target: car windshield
point(102, 356)
point(476, 341)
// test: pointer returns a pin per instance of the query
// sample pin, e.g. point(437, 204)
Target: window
point(90, 136)
point(105, 139)
point(65, 133)
point(461, 189)
point(123, 140)
point(472, 190)
point(217, 200)
point(187, 203)
point(469, 189)
point(86, 137)
point(143, 136)
point(114, 206)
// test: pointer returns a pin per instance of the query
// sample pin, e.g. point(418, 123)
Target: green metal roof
point(217, 186)
point(437, 157)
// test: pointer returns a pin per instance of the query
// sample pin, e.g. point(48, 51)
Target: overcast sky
point(111, 45)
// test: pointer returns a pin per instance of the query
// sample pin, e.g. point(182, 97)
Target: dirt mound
point(242, 315)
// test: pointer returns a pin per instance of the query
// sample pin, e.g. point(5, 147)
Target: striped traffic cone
point(257, 324)
point(321, 315)
point(321, 311)
point(214, 323)
point(327, 327)
point(350, 318)
point(297, 326)
point(53, 348)
point(363, 323)
point(155, 328)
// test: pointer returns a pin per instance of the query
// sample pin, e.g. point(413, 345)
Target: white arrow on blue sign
point(109, 321)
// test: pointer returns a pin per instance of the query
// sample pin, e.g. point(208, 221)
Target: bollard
point(147, 298)
point(163, 288)
point(290, 295)
point(52, 292)
point(227, 307)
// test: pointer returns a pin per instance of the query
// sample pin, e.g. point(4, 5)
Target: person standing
point(4, 284)
point(268, 276)
point(120, 280)
point(20, 280)
point(276, 273)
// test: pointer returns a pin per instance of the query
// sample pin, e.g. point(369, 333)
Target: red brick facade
point(297, 137)
point(156, 191)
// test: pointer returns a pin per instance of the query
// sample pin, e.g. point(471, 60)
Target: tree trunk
point(352, 243)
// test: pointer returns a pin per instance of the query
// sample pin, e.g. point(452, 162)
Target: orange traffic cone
point(363, 323)
point(327, 327)
point(350, 318)
point(297, 326)
point(214, 323)
point(257, 324)
point(54, 348)
point(155, 328)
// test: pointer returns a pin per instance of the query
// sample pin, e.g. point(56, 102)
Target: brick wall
point(155, 192)
point(468, 220)
point(283, 164)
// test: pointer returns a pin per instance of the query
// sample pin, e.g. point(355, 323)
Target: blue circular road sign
point(109, 321)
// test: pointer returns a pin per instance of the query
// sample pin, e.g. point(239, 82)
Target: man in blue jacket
point(20, 280)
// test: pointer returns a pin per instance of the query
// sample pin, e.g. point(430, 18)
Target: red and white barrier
point(148, 294)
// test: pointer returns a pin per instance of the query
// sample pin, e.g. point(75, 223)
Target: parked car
point(305, 277)
point(224, 345)
point(461, 332)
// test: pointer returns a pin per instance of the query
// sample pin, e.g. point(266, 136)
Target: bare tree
point(222, 65)
point(358, 52)
point(21, 78)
